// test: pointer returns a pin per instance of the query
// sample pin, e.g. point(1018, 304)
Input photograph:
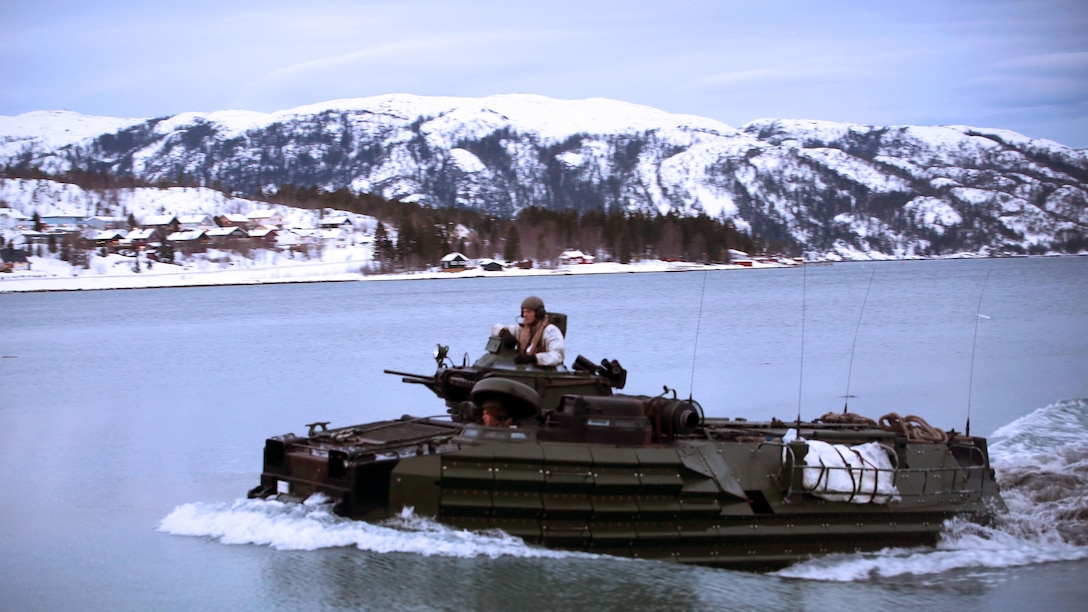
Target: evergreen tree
point(624, 254)
point(407, 243)
point(383, 247)
point(52, 243)
point(512, 250)
point(80, 258)
point(37, 222)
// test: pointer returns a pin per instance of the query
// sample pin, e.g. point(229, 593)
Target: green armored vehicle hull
point(579, 467)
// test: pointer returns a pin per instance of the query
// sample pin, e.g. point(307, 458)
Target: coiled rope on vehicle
point(915, 428)
point(847, 418)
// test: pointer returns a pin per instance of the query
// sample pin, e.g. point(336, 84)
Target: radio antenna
point(695, 346)
point(853, 347)
point(801, 370)
point(974, 343)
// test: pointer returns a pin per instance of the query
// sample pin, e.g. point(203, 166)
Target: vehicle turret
point(455, 384)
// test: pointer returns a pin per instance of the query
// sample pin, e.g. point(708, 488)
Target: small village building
point(221, 236)
point(111, 239)
point(161, 226)
point(334, 236)
point(297, 237)
point(191, 222)
point(61, 220)
point(12, 259)
point(12, 219)
point(574, 257)
point(338, 221)
point(188, 241)
point(490, 265)
point(232, 220)
point(454, 262)
point(160, 221)
point(32, 237)
point(267, 216)
point(739, 258)
point(141, 238)
point(264, 236)
point(188, 235)
point(106, 223)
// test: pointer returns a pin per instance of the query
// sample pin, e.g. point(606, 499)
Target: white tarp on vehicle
point(858, 474)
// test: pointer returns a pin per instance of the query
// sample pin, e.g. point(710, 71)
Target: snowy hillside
point(302, 251)
point(831, 188)
point(52, 198)
point(51, 129)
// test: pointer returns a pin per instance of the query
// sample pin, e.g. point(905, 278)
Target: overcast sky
point(1019, 65)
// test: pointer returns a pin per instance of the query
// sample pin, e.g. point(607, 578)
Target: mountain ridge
point(821, 186)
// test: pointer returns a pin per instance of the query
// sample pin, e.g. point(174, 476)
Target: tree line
point(426, 233)
point(412, 236)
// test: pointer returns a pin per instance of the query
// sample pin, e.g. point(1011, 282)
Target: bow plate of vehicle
point(577, 466)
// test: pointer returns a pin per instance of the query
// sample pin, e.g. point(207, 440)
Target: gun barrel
point(407, 375)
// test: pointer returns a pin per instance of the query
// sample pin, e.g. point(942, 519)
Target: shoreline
point(333, 272)
point(276, 275)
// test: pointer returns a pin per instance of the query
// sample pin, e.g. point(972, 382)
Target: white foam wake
point(312, 525)
point(1041, 461)
point(964, 547)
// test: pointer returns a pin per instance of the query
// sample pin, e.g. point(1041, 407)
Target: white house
point(193, 235)
point(13, 219)
point(232, 220)
point(268, 217)
point(454, 262)
point(155, 221)
point(571, 257)
point(191, 222)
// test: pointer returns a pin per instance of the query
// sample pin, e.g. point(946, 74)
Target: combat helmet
point(535, 304)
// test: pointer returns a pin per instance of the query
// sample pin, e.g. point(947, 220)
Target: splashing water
point(312, 525)
point(1041, 461)
point(1042, 468)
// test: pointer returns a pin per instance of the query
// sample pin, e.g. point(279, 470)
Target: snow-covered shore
point(165, 275)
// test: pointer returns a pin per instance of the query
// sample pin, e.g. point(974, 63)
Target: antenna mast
point(801, 370)
point(857, 328)
point(974, 343)
point(695, 346)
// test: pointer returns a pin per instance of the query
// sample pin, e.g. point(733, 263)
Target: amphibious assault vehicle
point(575, 465)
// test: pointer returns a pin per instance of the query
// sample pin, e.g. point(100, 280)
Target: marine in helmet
point(494, 414)
point(538, 342)
point(504, 402)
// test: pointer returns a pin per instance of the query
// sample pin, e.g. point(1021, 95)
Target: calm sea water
point(132, 422)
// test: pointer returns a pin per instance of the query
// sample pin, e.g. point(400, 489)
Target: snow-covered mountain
point(831, 187)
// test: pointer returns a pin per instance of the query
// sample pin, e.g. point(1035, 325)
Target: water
point(132, 422)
